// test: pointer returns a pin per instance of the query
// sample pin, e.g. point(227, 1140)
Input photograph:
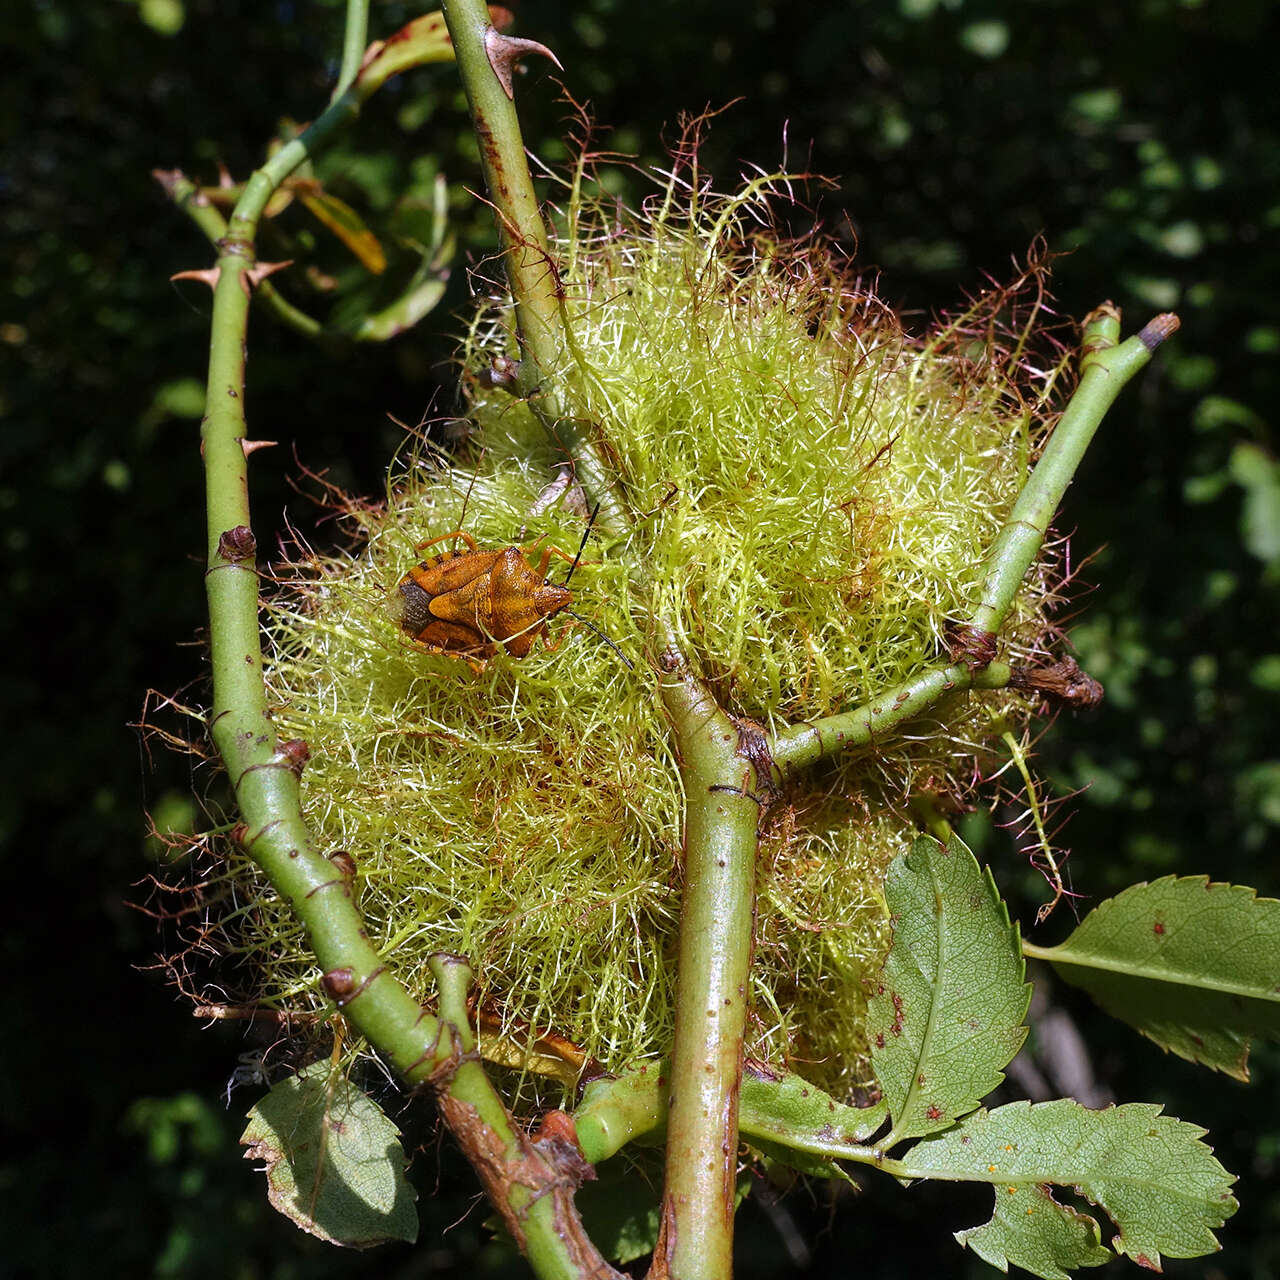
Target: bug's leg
point(547, 553)
point(444, 537)
point(546, 638)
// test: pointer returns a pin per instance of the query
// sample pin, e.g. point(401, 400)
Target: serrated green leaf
point(948, 1014)
point(1192, 965)
point(1160, 1185)
point(333, 1160)
point(1033, 1231)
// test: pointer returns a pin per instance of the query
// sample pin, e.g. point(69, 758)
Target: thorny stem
point(722, 810)
point(191, 200)
point(720, 782)
point(538, 1211)
point(377, 326)
point(531, 269)
point(532, 1191)
point(1105, 369)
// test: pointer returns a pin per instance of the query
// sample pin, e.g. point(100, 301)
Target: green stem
point(355, 37)
point(720, 841)
point(188, 197)
point(262, 185)
point(531, 1190)
point(800, 745)
point(785, 1110)
point(265, 776)
point(532, 271)
point(1105, 369)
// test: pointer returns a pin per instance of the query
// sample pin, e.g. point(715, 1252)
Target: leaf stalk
point(1106, 367)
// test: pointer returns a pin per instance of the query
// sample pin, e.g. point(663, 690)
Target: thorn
point(505, 51)
point(168, 179)
point(252, 446)
point(1154, 332)
point(256, 275)
point(208, 276)
point(224, 176)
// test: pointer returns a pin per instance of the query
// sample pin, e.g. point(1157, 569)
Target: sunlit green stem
point(1105, 369)
point(720, 841)
point(532, 270)
point(783, 1109)
point(799, 745)
point(531, 1192)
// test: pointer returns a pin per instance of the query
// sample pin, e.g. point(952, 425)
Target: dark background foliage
point(1140, 139)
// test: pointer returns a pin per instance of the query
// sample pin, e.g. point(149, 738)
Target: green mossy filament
point(813, 492)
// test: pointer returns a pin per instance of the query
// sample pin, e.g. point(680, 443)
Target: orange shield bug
point(470, 602)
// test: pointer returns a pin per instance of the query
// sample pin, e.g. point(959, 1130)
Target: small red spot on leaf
point(897, 1015)
point(934, 1113)
point(1158, 928)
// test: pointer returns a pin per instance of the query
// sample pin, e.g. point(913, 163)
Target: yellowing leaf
point(347, 225)
point(417, 43)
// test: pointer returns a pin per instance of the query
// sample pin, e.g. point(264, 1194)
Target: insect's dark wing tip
point(411, 608)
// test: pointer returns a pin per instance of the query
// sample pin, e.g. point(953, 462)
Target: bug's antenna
point(591, 626)
point(586, 533)
point(466, 498)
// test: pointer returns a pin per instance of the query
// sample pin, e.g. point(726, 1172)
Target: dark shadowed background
point(1142, 140)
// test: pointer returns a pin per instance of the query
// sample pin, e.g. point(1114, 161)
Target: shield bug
point(470, 602)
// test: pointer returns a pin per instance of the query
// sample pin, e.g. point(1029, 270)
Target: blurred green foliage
point(1141, 139)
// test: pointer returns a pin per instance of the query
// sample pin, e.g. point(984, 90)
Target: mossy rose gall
point(811, 491)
